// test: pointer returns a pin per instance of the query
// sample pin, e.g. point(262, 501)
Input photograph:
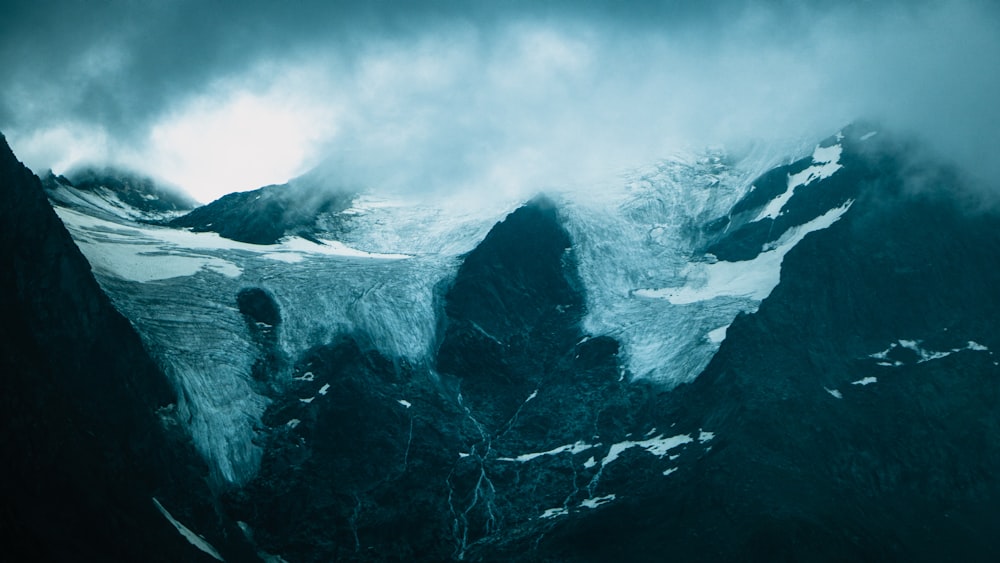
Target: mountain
point(265, 215)
point(722, 359)
point(851, 412)
point(93, 457)
point(112, 193)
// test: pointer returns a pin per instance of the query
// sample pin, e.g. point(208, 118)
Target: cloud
point(504, 98)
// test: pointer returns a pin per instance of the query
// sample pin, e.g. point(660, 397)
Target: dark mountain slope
point(855, 413)
point(374, 458)
point(83, 448)
point(265, 215)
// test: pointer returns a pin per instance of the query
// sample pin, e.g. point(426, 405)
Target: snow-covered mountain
point(718, 357)
point(113, 194)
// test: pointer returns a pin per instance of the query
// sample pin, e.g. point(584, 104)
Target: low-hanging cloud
point(512, 98)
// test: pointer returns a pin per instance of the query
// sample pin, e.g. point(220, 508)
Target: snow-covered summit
point(115, 194)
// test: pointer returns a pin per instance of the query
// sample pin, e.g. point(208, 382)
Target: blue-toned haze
point(505, 97)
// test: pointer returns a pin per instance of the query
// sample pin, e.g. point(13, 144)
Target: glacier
point(381, 280)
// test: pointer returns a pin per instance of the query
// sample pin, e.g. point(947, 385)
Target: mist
point(438, 97)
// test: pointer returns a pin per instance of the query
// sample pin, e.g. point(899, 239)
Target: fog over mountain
point(510, 98)
point(499, 281)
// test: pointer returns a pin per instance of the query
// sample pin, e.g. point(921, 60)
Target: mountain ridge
point(845, 411)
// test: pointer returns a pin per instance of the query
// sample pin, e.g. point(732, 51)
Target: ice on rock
point(178, 289)
point(553, 512)
point(571, 449)
point(379, 282)
point(597, 501)
point(658, 446)
point(825, 162)
point(923, 354)
point(718, 335)
point(750, 279)
point(637, 235)
point(193, 538)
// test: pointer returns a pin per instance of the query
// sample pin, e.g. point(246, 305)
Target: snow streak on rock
point(825, 162)
point(753, 279)
point(642, 234)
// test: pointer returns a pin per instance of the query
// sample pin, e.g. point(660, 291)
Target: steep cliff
point(84, 411)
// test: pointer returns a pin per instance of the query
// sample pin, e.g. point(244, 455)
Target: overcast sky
point(508, 96)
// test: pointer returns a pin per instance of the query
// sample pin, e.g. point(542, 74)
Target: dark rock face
point(350, 472)
point(83, 446)
point(391, 461)
point(263, 316)
point(265, 215)
point(513, 312)
point(827, 448)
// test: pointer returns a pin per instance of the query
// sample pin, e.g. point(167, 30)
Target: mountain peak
point(133, 188)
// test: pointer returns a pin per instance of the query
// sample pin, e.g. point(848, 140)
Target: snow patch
point(865, 381)
point(597, 501)
point(669, 471)
point(825, 162)
point(405, 403)
point(658, 446)
point(754, 279)
point(637, 233)
point(836, 394)
point(718, 335)
point(323, 390)
point(190, 536)
point(924, 355)
point(553, 512)
point(572, 449)
point(145, 253)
